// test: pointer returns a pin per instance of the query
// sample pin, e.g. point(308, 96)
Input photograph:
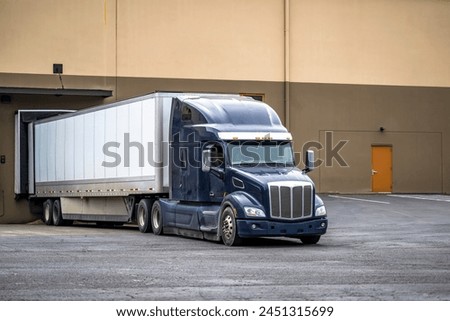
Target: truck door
point(215, 182)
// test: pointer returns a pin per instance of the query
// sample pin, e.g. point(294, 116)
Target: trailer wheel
point(228, 228)
point(47, 216)
point(310, 239)
point(143, 215)
point(57, 215)
point(157, 219)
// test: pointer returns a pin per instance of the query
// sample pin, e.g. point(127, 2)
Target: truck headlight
point(254, 212)
point(321, 211)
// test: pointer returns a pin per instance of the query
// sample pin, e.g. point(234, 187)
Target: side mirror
point(206, 160)
point(309, 161)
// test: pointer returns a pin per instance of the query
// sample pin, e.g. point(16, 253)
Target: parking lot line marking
point(417, 197)
point(359, 199)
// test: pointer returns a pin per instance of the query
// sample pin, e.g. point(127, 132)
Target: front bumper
point(257, 228)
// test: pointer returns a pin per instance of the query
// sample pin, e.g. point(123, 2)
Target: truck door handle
point(374, 172)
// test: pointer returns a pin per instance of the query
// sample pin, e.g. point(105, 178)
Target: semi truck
point(213, 166)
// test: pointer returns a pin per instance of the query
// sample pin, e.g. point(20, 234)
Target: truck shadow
point(272, 242)
point(106, 225)
point(251, 242)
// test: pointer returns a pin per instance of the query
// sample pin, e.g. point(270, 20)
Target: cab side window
point(217, 158)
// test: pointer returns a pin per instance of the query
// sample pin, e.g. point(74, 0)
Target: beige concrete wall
point(383, 42)
point(202, 39)
point(205, 39)
point(80, 34)
point(402, 42)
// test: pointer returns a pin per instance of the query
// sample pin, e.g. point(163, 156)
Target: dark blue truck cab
point(233, 175)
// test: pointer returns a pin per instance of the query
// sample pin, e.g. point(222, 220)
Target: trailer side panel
point(109, 151)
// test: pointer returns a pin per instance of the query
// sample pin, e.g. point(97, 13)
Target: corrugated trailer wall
point(109, 150)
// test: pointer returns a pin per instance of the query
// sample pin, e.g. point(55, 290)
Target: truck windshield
point(261, 153)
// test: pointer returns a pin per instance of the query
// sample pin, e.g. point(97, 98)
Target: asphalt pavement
point(378, 247)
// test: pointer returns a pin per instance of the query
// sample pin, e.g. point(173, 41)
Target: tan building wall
point(355, 113)
point(349, 67)
point(80, 34)
point(232, 40)
point(376, 42)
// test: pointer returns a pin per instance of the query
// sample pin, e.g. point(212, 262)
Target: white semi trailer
point(90, 163)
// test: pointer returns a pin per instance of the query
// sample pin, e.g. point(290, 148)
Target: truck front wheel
point(48, 212)
point(157, 219)
point(228, 228)
point(143, 215)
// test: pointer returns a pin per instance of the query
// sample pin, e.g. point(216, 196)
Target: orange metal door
point(381, 169)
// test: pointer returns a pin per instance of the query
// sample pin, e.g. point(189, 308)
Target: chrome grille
point(291, 200)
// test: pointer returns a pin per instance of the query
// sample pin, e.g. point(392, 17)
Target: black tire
point(47, 214)
point(157, 219)
point(57, 215)
point(310, 239)
point(228, 228)
point(143, 215)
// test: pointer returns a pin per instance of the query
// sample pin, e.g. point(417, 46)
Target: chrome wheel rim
point(155, 218)
point(227, 227)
